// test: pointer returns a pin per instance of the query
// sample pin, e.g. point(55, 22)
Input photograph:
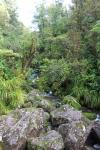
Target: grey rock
point(65, 114)
point(47, 105)
point(39, 101)
point(31, 124)
point(50, 141)
point(96, 128)
point(74, 134)
point(6, 122)
point(72, 125)
point(96, 146)
point(27, 105)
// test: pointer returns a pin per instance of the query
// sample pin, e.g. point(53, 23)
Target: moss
point(90, 115)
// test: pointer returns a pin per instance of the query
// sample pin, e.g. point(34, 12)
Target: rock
point(38, 100)
point(72, 125)
point(96, 146)
point(96, 128)
point(88, 148)
point(74, 134)
point(65, 114)
point(10, 120)
point(50, 141)
point(46, 105)
point(31, 124)
point(93, 138)
point(27, 105)
point(33, 96)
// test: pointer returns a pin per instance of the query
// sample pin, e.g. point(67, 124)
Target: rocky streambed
point(47, 127)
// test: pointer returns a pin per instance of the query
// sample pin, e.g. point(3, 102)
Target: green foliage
point(71, 36)
point(96, 28)
point(54, 74)
point(8, 53)
point(17, 49)
point(71, 101)
point(11, 94)
point(3, 109)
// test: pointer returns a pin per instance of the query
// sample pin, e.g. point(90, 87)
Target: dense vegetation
point(16, 46)
point(65, 49)
point(69, 46)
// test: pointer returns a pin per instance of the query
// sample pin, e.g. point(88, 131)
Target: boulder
point(74, 134)
point(27, 105)
point(6, 122)
point(93, 139)
point(34, 96)
point(52, 140)
point(96, 128)
point(47, 105)
point(31, 124)
point(39, 101)
point(72, 125)
point(65, 114)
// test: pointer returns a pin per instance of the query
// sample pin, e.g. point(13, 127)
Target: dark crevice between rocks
point(53, 127)
point(93, 140)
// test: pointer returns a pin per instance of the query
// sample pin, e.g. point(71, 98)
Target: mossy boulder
point(52, 140)
point(74, 134)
